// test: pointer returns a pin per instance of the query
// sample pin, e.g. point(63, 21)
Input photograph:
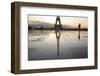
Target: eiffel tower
point(56, 25)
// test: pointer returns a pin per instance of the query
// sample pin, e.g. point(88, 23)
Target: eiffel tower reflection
point(58, 35)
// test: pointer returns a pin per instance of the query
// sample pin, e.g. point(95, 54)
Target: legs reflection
point(58, 34)
point(79, 35)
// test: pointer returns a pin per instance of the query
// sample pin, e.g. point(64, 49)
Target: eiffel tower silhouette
point(56, 25)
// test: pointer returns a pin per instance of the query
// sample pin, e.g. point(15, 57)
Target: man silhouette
point(79, 26)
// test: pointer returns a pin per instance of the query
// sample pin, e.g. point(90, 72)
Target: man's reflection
point(79, 27)
point(79, 35)
point(58, 34)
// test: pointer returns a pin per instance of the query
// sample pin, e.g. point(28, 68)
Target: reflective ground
point(46, 45)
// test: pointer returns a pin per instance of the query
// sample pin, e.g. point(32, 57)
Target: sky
point(71, 21)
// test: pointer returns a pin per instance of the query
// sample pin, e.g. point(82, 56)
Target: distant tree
point(29, 28)
point(41, 27)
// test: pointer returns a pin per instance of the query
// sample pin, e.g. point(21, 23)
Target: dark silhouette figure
point(79, 26)
point(58, 26)
point(58, 34)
